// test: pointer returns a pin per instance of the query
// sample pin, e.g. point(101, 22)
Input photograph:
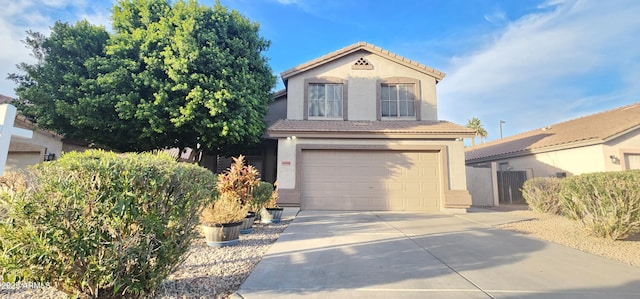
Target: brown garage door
point(22, 160)
point(370, 180)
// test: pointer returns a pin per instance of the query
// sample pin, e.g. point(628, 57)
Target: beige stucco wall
point(626, 144)
point(457, 173)
point(361, 86)
point(479, 182)
point(571, 161)
point(22, 151)
point(575, 161)
point(277, 110)
point(40, 142)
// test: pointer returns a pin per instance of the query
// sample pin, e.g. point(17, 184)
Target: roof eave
point(438, 75)
point(534, 151)
point(614, 136)
point(366, 135)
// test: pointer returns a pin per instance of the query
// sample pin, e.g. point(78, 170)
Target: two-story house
point(362, 133)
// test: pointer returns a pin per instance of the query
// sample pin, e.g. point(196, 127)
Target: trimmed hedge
point(542, 194)
point(100, 224)
point(607, 203)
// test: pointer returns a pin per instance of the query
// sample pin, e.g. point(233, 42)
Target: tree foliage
point(172, 74)
point(60, 92)
point(478, 127)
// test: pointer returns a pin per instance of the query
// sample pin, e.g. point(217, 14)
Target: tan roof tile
point(596, 128)
point(5, 99)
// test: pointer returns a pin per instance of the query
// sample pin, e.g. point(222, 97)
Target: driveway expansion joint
point(438, 259)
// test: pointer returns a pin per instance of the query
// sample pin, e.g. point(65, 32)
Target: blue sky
point(529, 63)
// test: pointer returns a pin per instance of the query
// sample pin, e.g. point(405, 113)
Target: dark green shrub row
point(100, 224)
point(607, 203)
point(542, 194)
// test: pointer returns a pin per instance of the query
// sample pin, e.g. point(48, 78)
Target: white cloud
point(496, 17)
point(542, 68)
point(287, 2)
point(98, 16)
point(17, 17)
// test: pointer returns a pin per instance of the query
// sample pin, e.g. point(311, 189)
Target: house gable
point(361, 69)
point(358, 47)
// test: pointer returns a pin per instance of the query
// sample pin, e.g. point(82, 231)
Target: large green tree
point(478, 127)
point(177, 74)
point(62, 92)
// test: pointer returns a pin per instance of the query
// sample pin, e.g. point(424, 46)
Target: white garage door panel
point(370, 180)
point(632, 161)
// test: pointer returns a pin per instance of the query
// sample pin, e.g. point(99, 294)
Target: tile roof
point(22, 120)
point(441, 128)
point(592, 129)
point(280, 93)
point(367, 47)
point(5, 99)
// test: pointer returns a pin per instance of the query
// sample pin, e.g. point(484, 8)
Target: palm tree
point(476, 125)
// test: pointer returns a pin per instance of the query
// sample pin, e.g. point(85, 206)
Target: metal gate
point(509, 185)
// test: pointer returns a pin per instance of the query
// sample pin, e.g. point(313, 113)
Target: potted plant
point(240, 180)
point(261, 195)
point(222, 219)
point(247, 223)
point(271, 213)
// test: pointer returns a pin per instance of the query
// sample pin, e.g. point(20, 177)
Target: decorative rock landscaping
point(567, 232)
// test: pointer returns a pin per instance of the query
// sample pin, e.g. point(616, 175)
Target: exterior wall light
point(614, 159)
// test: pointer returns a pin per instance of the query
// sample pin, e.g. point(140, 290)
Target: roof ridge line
point(357, 46)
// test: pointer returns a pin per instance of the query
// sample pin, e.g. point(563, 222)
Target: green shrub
point(543, 194)
point(100, 224)
point(261, 195)
point(226, 209)
point(607, 203)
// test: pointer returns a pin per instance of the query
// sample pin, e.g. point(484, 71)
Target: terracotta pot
point(218, 235)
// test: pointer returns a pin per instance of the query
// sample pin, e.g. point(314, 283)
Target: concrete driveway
point(412, 255)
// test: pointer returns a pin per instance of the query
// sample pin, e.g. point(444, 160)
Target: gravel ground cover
point(206, 273)
point(570, 233)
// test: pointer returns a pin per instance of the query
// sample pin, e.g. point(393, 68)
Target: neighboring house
point(607, 141)
point(361, 133)
point(43, 146)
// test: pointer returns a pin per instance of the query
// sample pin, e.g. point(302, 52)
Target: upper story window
point(325, 98)
point(398, 98)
